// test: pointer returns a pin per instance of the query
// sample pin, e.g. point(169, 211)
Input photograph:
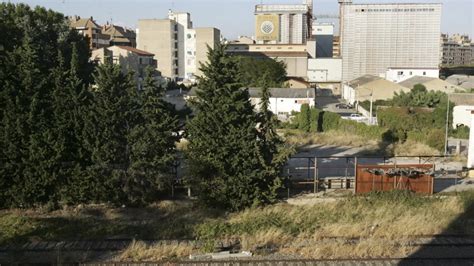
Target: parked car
point(355, 117)
point(343, 106)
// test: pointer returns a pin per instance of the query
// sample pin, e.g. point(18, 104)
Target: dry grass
point(337, 249)
point(382, 223)
point(139, 251)
point(412, 148)
point(333, 137)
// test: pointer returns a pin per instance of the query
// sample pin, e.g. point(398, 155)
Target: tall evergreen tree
point(107, 127)
point(152, 142)
point(224, 152)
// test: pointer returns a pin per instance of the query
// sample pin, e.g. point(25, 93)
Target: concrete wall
point(157, 36)
point(401, 74)
point(324, 70)
point(283, 107)
point(204, 37)
point(462, 115)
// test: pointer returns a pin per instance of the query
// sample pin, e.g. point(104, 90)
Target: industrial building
point(295, 56)
point(283, 101)
point(375, 37)
point(178, 47)
point(283, 24)
point(324, 36)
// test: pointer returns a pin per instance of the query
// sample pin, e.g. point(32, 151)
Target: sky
point(233, 17)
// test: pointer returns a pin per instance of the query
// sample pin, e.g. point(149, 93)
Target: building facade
point(323, 33)
point(283, 24)
point(295, 56)
point(375, 37)
point(456, 50)
point(129, 59)
point(88, 28)
point(397, 74)
point(178, 47)
point(120, 35)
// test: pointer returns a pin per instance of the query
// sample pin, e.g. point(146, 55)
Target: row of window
point(396, 10)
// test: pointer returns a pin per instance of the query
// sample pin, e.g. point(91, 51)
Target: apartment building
point(129, 59)
point(120, 35)
point(375, 37)
point(179, 48)
point(456, 50)
point(90, 29)
point(283, 24)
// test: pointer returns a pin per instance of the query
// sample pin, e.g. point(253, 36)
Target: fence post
point(355, 174)
point(316, 179)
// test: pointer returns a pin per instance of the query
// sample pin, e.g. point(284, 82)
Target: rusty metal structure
point(418, 178)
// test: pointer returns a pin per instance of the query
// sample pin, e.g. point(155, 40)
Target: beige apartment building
point(129, 59)
point(87, 27)
point(178, 47)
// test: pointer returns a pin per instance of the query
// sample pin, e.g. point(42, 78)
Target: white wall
point(323, 28)
point(283, 107)
point(462, 115)
point(348, 94)
point(325, 70)
point(401, 74)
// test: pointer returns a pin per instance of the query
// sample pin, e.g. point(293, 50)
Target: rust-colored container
point(412, 177)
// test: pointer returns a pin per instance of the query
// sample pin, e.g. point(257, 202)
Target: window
point(281, 100)
point(400, 73)
point(140, 61)
point(175, 27)
point(189, 36)
point(411, 73)
point(175, 53)
point(296, 101)
point(176, 36)
point(176, 71)
point(176, 45)
point(424, 73)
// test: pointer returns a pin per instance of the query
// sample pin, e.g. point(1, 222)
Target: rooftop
point(135, 50)
point(275, 92)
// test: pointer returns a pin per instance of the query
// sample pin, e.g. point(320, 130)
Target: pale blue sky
point(232, 17)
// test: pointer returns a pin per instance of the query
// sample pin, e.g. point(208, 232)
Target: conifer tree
point(108, 126)
point(152, 142)
point(224, 153)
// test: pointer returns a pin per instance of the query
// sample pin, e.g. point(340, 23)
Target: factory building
point(323, 33)
point(375, 37)
point(178, 47)
point(283, 24)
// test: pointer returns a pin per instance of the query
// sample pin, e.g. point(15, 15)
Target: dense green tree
point(259, 72)
point(111, 120)
point(304, 118)
point(225, 153)
point(152, 144)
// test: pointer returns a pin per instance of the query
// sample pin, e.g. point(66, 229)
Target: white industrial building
point(283, 23)
point(327, 70)
point(323, 33)
point(375, 37)
point(399, 74)
point(283, 101)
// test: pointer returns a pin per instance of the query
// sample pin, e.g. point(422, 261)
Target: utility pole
point(371, 100)
point(446, 133)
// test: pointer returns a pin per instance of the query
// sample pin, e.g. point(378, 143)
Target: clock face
point(267, 27)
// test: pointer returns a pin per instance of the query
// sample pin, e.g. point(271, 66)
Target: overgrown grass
point(332, 137)
point(379, 219)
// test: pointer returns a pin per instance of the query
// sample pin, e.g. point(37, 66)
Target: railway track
point(432, 250)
